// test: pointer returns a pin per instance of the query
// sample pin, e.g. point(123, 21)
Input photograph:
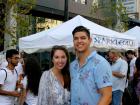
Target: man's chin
point(15, 65)
point(80, 51)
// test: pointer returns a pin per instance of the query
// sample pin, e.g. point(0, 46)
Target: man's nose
point(79, 40)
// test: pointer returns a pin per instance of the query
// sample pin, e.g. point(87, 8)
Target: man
point(119, 71)
point(19, 66)
point(90, 73)
point(8, 79)
point(131, 56)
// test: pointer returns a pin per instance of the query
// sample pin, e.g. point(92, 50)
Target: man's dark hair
point(11, 52)
point(81, 29)
point(130, 52)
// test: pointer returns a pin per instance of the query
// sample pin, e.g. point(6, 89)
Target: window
point(81, 1)
point(95, 3)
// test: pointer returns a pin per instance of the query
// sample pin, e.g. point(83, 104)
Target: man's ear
point(90, 40)
point(9, 60)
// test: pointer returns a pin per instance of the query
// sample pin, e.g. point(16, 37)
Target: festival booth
point(134, 32)
point(103, 38)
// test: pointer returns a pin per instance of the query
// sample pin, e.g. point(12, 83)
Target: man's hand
point(15, 93)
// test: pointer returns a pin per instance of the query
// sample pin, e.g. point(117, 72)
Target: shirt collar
point(92, 54)
point(117, 60)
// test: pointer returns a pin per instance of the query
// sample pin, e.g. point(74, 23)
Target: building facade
point(53, 12)
point(133, 11)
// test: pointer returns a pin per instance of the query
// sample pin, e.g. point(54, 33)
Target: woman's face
point(59, 59)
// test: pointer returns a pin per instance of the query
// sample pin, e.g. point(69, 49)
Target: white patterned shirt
point(51, 92)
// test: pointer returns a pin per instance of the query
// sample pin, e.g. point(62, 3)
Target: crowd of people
point(90, 79)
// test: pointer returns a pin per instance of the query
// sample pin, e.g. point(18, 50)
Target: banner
point(112, 42)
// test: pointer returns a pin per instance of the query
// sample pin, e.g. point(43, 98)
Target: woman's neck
point(56, 71)
point(58, 75)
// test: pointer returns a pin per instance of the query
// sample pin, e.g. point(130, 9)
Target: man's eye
point(83, 37)
point(75, 38)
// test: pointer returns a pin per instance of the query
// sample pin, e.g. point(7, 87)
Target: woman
point(55, 84)
point(31, 81)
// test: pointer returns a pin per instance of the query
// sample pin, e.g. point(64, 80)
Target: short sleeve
point(103, 74)
point(2, 76)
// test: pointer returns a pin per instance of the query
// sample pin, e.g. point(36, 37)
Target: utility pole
point(66, 11)
point(2, 25)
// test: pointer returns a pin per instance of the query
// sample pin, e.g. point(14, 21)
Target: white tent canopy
point(62, 35)
point(134, 32)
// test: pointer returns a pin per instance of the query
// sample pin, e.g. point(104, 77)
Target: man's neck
point(11, 67)
point(82, 57)
point(116, 59)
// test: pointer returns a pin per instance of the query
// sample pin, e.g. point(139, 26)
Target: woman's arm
point(43, 90)
point(22, 97)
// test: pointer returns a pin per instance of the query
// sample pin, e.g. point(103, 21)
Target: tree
point(14, 18)
point(112, 12)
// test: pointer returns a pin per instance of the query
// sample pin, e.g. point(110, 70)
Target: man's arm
point(122, 72)
point(117, 74)
point(9, 93)
point(103, 79)
point(106, 95)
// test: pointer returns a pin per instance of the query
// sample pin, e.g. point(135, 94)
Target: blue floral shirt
point(88, 79)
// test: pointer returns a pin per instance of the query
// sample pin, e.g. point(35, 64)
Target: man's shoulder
point(124, 62)
point(98, 59)
point(73, 62)
point(4, 69)
point(133, 60)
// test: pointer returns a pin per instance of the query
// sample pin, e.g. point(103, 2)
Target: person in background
point(54, 88)
point(131, 56)
point(91, 82)
point(119, 73)
point(136, 80)
point(8, 79)
point(32, 75)
point(18, 68)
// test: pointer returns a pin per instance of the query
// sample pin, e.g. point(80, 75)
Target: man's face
point(81, 41)
point(129, 56)
point(111, 56)
point(14, 60)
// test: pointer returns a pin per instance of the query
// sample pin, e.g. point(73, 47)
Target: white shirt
point(31, 99)
point(9, 85)
point(120, 66)
point(132, 66)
